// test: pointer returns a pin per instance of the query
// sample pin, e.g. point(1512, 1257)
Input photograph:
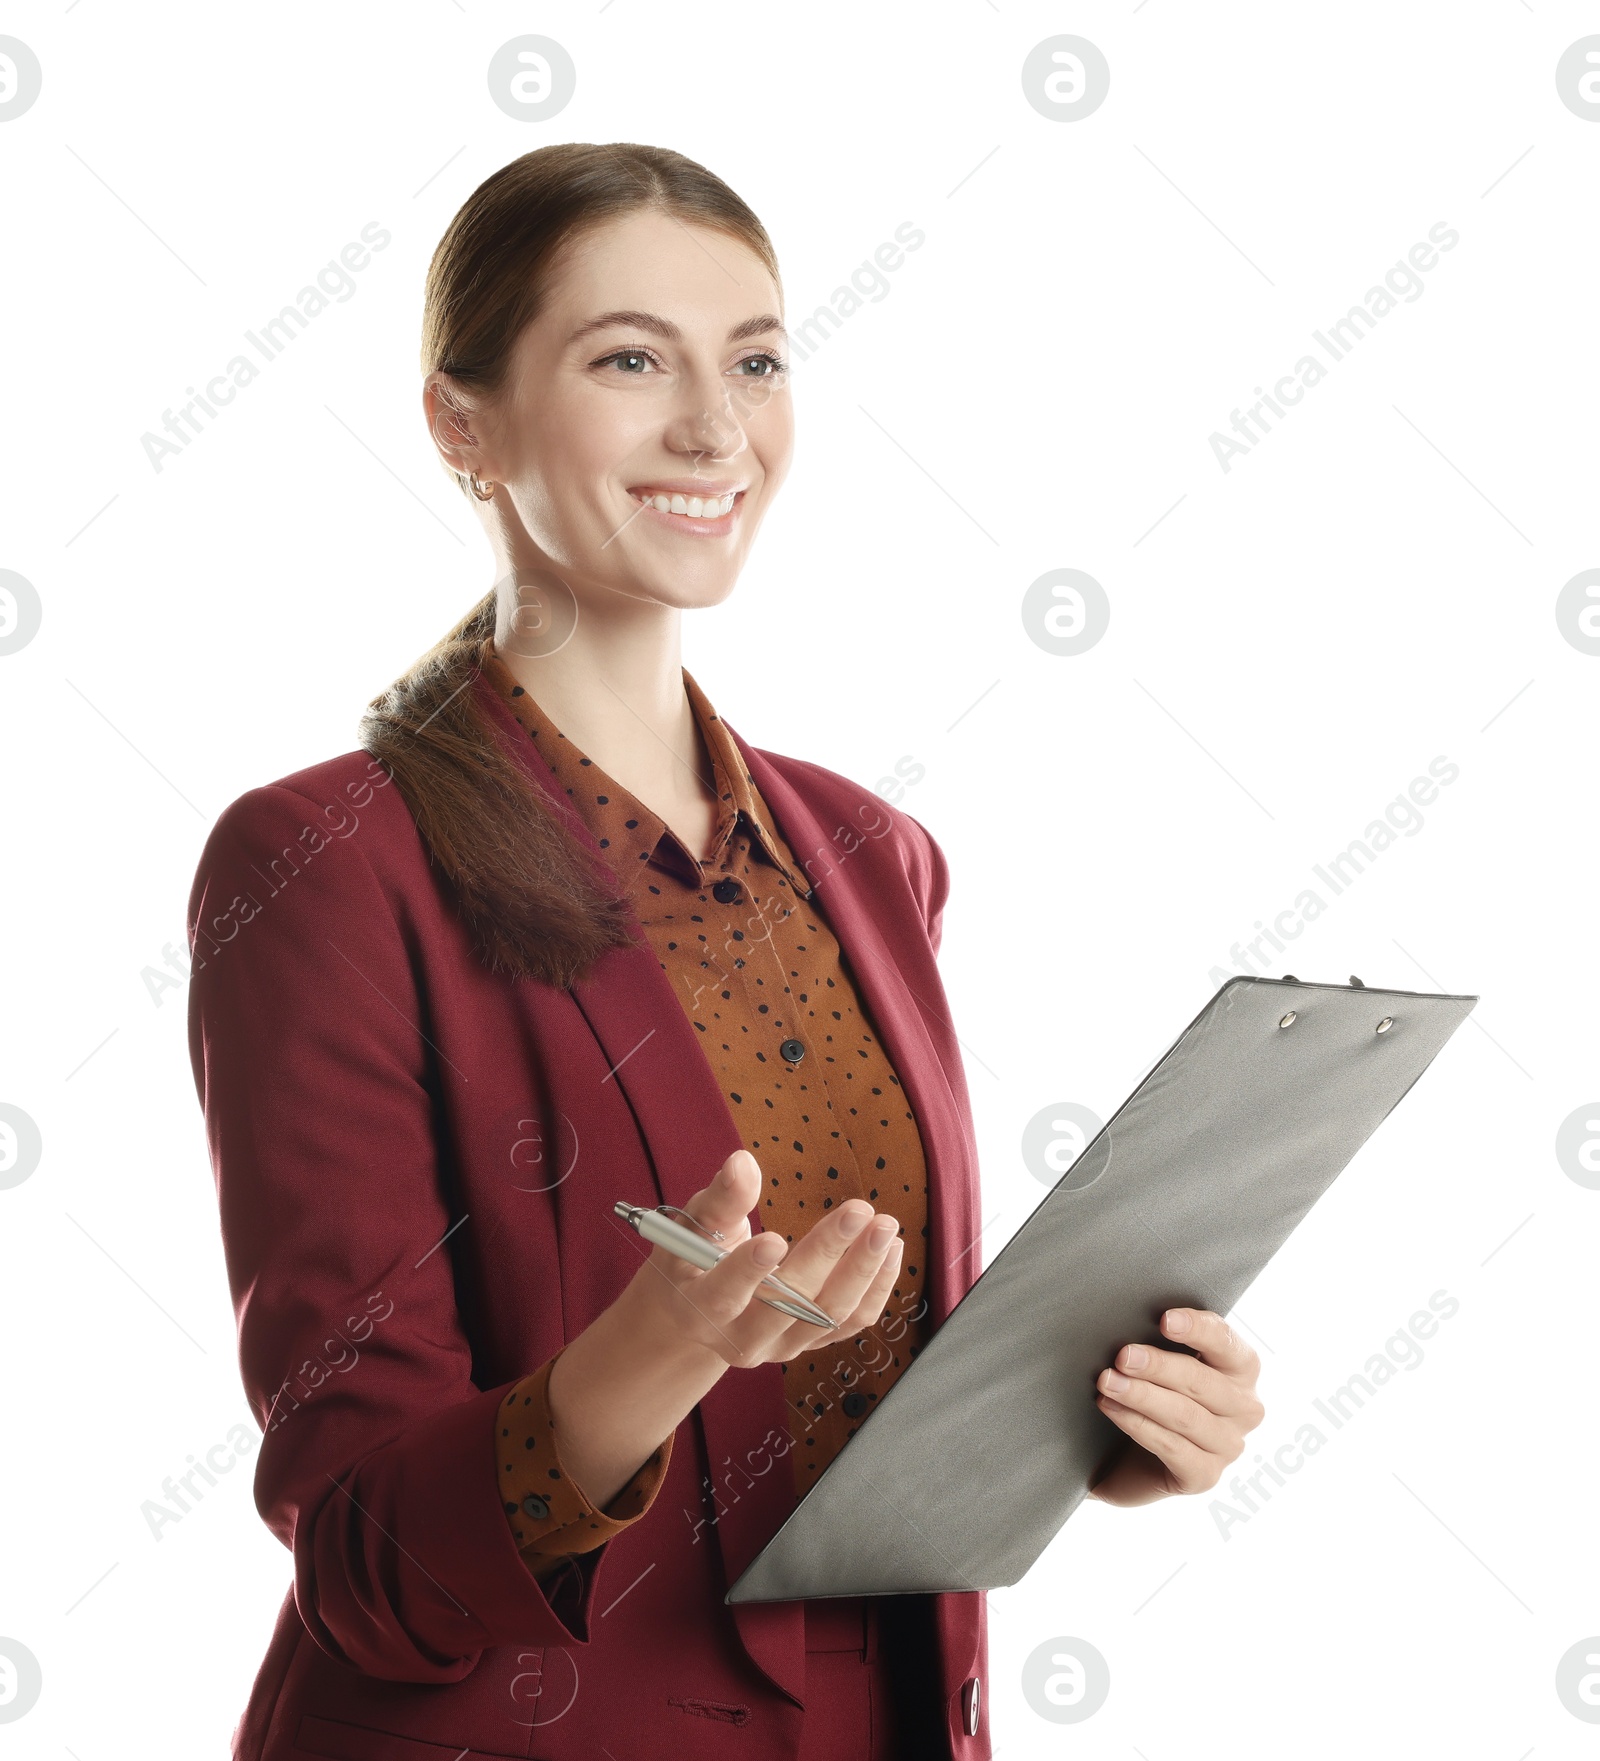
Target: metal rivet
point(1386, 1023)
point(1288, 1019)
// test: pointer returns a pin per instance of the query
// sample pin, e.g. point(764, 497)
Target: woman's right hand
point(640, 1367)
point(847, 1263)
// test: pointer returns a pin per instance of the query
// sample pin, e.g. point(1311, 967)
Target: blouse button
point(793, 1050)
point(535, 1506)
point(854, 1404)
point(725, 892)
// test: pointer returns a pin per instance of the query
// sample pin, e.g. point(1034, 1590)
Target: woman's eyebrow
point(762, 325)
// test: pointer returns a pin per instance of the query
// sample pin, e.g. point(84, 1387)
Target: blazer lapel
point(654, 1057)
point(879, 967)
point(890, 985)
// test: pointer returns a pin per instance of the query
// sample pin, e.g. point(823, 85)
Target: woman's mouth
point(689, 511)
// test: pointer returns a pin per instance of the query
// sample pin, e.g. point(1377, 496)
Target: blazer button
point(535, 1506)
point(793, 1050)
point(971, 1695)
point(725, 891)
point(854, 1404)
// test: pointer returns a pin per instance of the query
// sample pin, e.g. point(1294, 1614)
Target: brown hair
point(537, 902)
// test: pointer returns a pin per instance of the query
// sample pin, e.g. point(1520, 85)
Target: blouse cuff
point(547, 1509)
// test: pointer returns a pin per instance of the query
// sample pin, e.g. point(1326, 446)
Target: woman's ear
point(456, 422)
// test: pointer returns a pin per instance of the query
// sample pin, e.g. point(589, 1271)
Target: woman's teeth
point(711, 507)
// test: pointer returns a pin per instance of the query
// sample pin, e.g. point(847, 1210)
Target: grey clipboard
point(968, 1466)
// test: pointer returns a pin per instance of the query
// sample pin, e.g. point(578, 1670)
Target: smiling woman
point(597, 948)
point(602, 329)
point(591, 920)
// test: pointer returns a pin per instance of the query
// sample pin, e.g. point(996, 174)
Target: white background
point(1291, 642)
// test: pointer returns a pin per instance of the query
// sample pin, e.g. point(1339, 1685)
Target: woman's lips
point(695, 525)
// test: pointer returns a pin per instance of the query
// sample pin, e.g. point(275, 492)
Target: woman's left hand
point(1187, 1415)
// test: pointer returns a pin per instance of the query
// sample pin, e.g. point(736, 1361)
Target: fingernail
point(725, 1175)
point(1135, 1357)
point(883, 1232)
point(1177, 1320)
point(852, 1222)
point(1113, 1381)
point(768, 1249)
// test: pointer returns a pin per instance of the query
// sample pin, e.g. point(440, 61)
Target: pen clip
point(711, 1234)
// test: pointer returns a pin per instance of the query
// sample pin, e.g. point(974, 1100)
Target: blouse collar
point(628, 831)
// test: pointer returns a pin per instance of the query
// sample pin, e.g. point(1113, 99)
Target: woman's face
point(655, 371)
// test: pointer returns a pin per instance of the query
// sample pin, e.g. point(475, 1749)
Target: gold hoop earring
point(483, 491)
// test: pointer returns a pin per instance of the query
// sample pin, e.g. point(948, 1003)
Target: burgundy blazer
point(416, 1161)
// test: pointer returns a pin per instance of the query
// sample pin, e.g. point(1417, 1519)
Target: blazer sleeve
point(378, 1463)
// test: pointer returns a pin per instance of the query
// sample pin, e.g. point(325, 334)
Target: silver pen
point(655, 1226)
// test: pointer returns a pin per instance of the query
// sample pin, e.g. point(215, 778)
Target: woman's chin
point(681, 589)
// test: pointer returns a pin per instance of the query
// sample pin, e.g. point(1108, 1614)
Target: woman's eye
point(633, 361)
point(770, 363)
point(636, 363)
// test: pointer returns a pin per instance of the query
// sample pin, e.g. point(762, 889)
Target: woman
point(557, 937)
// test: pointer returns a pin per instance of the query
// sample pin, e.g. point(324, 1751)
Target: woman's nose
point(709, 431)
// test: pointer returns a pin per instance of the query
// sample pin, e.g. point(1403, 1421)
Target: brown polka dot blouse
point(765, 985)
